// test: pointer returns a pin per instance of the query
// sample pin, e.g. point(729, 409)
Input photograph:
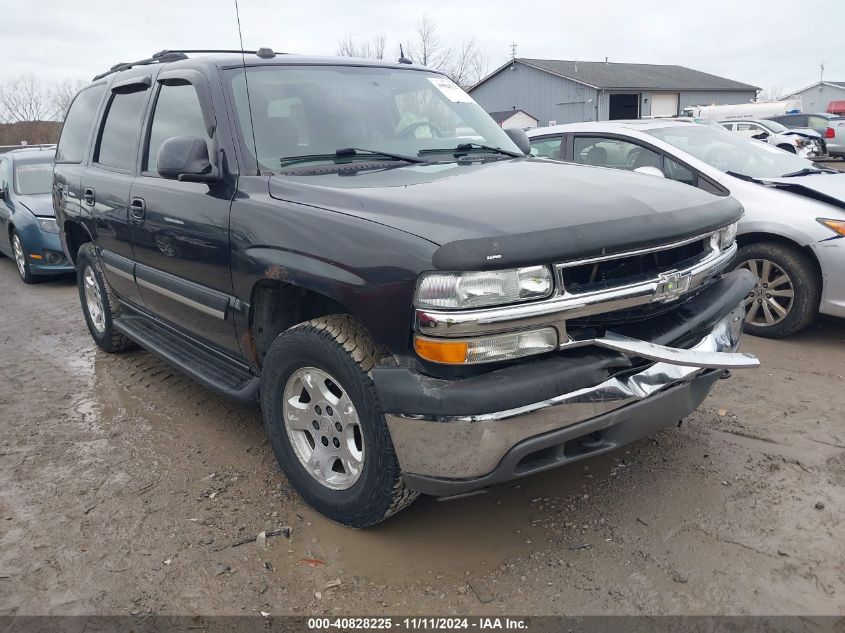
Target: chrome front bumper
point(467, 447)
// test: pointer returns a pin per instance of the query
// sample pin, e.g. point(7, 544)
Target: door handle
point(137, 209)
point(88, 196)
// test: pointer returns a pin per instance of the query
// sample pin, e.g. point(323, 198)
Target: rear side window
point(79, 123)
point(177, 113)
point(120, 131)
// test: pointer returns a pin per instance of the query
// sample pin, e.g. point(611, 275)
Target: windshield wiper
point(742, 176)
point(464, 148)
point(350, 152)
point(808, 171)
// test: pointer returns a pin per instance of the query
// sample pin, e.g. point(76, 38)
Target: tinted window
point(4, 174)
point(121, 129)
point(546, 147)
point(78, 125)
point(177, 113)
point(615, 153)
point(817, 121)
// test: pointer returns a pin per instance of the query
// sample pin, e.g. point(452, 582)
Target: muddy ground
point(123, 487)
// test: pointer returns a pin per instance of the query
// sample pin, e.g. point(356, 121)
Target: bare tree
point(772, 93)
point(62, 95)
point(467, 65)
point(427, 48)
point(370, 49)
point(24, 99)
point(464, 64)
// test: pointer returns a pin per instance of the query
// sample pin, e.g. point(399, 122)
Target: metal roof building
point(561, 91)
point(819, 96)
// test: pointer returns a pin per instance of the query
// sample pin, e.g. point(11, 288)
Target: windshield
point(732, 152)
point(774, 127)
point(33, 178)
point(305, 111)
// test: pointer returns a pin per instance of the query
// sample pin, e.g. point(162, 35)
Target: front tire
point(99, 305)
point(325, 423)
point(788, 291)
point(21, 261)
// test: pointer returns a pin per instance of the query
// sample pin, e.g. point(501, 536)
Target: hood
point(800, 131)
point(828, 188)
point(513, 212)
point(40, 205)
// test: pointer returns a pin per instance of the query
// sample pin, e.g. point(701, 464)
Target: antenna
point(513, 52)
point(402, 59)
point(246, 83)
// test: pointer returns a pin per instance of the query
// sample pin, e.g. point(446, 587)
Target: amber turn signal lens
point(837, 226)
point(449, 352)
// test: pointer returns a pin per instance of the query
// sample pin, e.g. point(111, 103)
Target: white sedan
point(792, 236)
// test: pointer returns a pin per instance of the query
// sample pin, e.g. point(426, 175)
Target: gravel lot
point(124, 487)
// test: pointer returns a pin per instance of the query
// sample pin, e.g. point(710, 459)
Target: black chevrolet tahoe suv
point(418, 305)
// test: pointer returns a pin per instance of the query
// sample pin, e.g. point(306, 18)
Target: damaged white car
point(804, 142)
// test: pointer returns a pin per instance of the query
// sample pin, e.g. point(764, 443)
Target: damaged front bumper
point(443, 454)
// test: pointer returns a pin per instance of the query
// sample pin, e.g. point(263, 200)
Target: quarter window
point(177, 113)
point(79, 123)
point(120, 130)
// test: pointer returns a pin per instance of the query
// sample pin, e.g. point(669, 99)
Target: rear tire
point(21, 260)
point(788, 291)
point(309, 369)
point(99, 304)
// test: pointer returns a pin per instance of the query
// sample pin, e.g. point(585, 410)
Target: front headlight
point(837, 226)
point(455, 291)
point(727, 236)
point(48, 225)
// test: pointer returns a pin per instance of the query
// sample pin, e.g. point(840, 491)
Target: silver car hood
point(828, 188)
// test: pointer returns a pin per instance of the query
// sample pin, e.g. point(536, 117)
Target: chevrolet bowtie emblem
point(671, 285)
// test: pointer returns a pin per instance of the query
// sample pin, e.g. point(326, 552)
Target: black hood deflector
point(586, 240)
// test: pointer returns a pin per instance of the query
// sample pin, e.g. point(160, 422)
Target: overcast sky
point(754, 41)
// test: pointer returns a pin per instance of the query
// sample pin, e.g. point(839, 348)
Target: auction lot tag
point(452, 91)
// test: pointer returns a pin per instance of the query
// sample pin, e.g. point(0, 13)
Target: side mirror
point(185, 158)
point(520, 139)
point(649, 170)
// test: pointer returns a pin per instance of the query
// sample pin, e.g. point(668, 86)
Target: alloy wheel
point(771, 299)
point(93, 300)
point(323, 428)
point(20, 256)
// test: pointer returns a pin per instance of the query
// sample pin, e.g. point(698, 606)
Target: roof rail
point(168, 55)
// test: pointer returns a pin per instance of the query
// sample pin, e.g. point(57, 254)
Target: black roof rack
point(167, 56)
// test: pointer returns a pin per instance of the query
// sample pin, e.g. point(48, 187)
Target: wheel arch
point(75, 235)
point(759, 237)
point(277, 305)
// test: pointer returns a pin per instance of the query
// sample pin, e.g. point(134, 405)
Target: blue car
point(28, 230)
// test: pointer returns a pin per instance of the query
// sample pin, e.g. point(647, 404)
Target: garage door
point(664, 104)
